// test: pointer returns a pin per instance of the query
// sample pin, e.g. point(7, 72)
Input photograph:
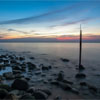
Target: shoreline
point(41, 77)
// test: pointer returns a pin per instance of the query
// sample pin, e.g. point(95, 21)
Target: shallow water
point(50, 54)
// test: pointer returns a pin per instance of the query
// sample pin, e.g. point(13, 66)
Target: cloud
point(39, 18)
point(17, 31)
point(80, 21)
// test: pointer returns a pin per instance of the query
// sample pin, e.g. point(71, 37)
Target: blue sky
point(49, 19)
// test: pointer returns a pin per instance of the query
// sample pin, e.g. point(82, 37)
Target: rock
point(75, 91)
point(45, 68)
point(21, 58)
point(31, 90)
point(83, 83)
point(13, 61)
point(3, 93)
point(8, 75)
point(92, 88)
point(32, 58)
point(65, 60)
point(20, 84)
point(18, 76)
point(39, 95)
point(38, 72)
point(54, 82)
point(80, 75)
point(31, 66)
point(58, 98)
point(81, 67)
point(27, 97)
point(16, 67)
point(60, 76)
point(47, 91)
point(67, 81)
point(15, 92)
point(65, 86)
point(16, 72)
point(49, 67)
point(11, 97)
point(6, 87)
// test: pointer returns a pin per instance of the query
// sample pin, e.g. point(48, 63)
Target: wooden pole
point(80, 49)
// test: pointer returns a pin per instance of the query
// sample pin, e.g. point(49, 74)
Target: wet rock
point(6, 61)
point(20, 84)
point(39, 95)
point(54, 82)
point(11, 97)
point(32, 58)
point(27, 97)
point(8, 75)
point(27, 78)
point(16, 68)
point(38, 72)
point(18, 76)
point(92, 88)
point(80, 75)
point(58, 98)
point(65, 60)
point(21, 58)
point(75, 91)
point(65, 86)
point(31, 90)
point(13, 61)
point(49, 67)
point(67, 81)
point(16, 72)
point(47, 91)
point(31, 66)
point(81, 67)
point(5, 86)
point(83, 83)
point(45, 68)
point(60, 76)
point(3, 93)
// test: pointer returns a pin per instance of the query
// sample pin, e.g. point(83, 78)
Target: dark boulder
point(3, 93)
point(47, 91)
point(65, 60)
point(27, 97)
point(31, 90)
point(83, 83)
point(80, 75)
point(65, 86)
point(39, 95)
point(60, 76)
point(20, 84)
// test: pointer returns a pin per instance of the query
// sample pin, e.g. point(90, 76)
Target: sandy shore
point(24, 76)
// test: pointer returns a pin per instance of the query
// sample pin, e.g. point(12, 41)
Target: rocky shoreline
point(28, 81)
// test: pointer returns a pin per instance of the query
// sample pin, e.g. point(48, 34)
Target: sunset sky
point(49, 20)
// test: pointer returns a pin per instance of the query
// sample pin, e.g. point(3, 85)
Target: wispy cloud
point(41, 17)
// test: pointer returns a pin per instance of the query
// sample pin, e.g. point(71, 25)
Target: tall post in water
point(80, 48)
point(80, 51)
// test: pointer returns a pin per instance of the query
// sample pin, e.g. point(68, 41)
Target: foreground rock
point(39, 95)
point(27, 97)
point(20, 84)
point(3, 93)
point(11, 97)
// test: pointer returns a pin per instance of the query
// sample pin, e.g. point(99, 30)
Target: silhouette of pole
point(80, 49)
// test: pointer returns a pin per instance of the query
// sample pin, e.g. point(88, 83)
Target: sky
point(49, 20)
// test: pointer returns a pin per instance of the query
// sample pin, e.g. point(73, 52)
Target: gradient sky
point(49, 20)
